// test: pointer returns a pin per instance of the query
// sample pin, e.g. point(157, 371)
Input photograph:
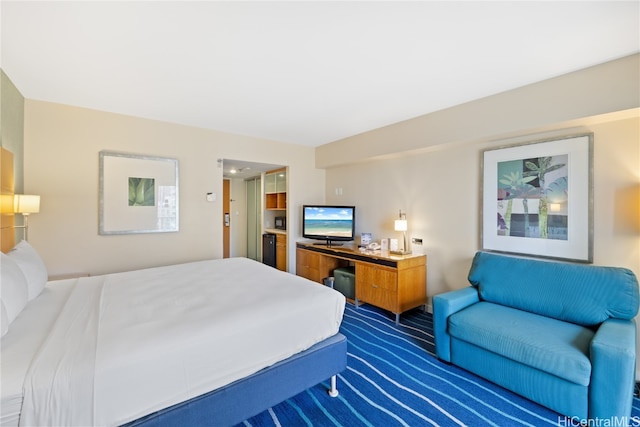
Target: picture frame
point(537, 198)
point(138, 194)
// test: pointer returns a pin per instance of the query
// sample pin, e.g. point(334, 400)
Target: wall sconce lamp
point(400, 224)
point(25, 204)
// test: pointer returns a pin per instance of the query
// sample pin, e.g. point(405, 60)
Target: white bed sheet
point(167, 334)
point(26, 334)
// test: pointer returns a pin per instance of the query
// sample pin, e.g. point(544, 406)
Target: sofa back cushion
point(578, 293)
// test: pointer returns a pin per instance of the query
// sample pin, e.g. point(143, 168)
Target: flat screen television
point(329, 223)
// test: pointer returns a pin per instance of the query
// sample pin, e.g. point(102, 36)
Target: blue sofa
point(560, 334)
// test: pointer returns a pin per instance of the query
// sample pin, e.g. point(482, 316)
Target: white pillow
point(32, 267)
point(13, 287)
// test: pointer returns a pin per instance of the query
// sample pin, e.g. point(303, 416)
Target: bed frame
point(242, 399)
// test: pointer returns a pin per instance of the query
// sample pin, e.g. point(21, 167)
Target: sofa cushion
point(578, 293)
point(550, 345)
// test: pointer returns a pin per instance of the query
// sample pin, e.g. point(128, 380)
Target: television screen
point(323, 222)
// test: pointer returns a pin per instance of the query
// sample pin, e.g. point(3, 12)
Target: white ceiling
point(300, 72)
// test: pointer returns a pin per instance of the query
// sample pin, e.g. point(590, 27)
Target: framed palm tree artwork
point(138, 194)
point(537, 198)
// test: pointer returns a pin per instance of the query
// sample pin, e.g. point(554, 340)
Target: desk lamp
point(400, 224)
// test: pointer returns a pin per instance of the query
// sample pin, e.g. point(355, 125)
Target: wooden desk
point(393, 282)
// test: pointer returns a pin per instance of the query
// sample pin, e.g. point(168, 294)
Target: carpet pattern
point(394, 379)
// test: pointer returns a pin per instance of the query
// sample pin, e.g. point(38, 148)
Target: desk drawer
point(376, 276)
point(312, 274)
point(377, 296)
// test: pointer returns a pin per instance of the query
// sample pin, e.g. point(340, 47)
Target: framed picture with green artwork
point(537, 198)
point(138, 194)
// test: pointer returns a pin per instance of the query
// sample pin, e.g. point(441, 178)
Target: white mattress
point(125, 345)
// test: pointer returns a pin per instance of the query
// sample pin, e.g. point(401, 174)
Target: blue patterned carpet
point(394, 379)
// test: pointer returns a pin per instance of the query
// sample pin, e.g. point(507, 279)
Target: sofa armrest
point(613, 363)
point(444, 305)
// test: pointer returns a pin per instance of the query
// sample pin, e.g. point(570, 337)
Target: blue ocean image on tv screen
point(325, 221)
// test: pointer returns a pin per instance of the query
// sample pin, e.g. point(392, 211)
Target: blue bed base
point(234, 403)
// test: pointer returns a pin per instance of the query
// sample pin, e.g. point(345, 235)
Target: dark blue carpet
point(394, 379)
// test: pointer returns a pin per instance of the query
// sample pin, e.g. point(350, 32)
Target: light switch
point(211, 197)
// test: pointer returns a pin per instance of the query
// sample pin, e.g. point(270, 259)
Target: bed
point(214, 341)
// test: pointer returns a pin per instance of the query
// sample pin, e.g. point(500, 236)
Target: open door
point(226, 218)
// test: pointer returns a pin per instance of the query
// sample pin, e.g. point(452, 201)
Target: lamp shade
point(400, 225)
point(26, 203)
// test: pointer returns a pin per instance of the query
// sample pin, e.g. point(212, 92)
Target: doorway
point(244, 207)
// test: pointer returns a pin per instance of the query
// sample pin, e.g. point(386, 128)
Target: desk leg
point(357, 303)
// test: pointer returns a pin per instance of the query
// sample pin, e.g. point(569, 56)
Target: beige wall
point(61, 164)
